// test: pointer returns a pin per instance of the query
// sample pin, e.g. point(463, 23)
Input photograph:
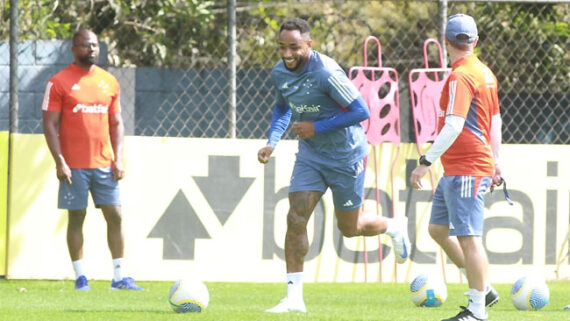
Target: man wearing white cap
point(468, 145)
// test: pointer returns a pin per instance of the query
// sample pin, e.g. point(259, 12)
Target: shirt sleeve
point(451, 129)
point(53, 97)
point(340, 88)
point(115, 106)
point(496, 136)
point(460, 96)
point(279, 123)
point(496, 108)
point(356, 112)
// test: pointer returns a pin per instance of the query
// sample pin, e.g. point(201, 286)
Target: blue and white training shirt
point(322, 93)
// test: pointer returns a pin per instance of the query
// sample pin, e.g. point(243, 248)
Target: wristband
point(424, 161)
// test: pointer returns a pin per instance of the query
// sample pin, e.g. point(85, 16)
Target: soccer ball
point(530, 294)
point(428, 291)
point(188, 296)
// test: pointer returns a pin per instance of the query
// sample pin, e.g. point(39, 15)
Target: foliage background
point(526, 44)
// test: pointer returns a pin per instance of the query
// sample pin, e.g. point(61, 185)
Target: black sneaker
point(491, 297)
point(464, 315)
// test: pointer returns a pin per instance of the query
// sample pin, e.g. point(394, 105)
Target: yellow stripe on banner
point(4, 136)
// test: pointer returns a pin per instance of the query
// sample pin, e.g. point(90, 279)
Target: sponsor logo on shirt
point(305, 108)
point(91, 109)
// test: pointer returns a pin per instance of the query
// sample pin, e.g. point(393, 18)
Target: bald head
point(82, 33)
point(85, 48)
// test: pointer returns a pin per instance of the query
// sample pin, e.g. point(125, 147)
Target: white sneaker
point(286, 305)
point(400, 240)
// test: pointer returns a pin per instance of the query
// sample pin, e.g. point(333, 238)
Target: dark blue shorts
point(459, 202)
point(104, 189)
point(346, 183)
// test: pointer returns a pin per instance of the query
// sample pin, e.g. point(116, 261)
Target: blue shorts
point(104, 189)
point(459, 202)
point(346, 183)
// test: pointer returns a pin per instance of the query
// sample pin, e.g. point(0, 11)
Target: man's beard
point(88, 60)
point(299, 63)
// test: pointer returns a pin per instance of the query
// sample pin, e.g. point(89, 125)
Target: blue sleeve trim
point(356, 112)
point(279, 124)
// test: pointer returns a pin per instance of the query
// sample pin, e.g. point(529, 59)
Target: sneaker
point(491, 296)
point(400, 240)
point(465, 315)
point(286, 305)
point(81, 284)
point(125, 284)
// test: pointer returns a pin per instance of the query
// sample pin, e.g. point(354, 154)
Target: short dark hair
point(80, 32)
point(461, 45)
point(296, 24)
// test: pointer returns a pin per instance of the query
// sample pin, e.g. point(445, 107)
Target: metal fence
point(176, 80)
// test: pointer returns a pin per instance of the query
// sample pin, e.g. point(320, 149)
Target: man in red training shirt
point(468, 142)
point(84, 131)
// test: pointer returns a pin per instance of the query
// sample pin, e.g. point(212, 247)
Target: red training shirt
point(471, 93)
point(85, 100)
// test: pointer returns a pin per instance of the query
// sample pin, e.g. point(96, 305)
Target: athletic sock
point(118, 269)
point(78, 267)
point(391, 229)
point(477, 303)
point(295, 286)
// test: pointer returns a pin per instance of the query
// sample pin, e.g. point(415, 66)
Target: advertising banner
point(207, 207)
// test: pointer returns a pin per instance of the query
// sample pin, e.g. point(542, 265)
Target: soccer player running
point(84, 131)
point(468, 143)
point(326, 110)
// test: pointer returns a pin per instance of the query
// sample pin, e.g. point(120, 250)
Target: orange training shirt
point(85, 100)
point(471, 93)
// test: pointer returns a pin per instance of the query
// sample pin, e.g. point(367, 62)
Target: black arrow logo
point(223, 188)
point(179, 227)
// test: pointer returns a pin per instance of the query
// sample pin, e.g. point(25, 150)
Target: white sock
point(78, 267)
point(391, 229)
point(295, 286)
point(118, 266)
point(477, 303)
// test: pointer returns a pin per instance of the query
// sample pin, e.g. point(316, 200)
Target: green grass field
point(56, 300)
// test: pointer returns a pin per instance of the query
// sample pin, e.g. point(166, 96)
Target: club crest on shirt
point(103, 86)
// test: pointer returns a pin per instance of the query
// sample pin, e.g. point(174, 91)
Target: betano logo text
point(93, 109)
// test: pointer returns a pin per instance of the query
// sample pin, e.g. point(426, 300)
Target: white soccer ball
point(428, 291)
point(530, 293)
point(188, 296)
